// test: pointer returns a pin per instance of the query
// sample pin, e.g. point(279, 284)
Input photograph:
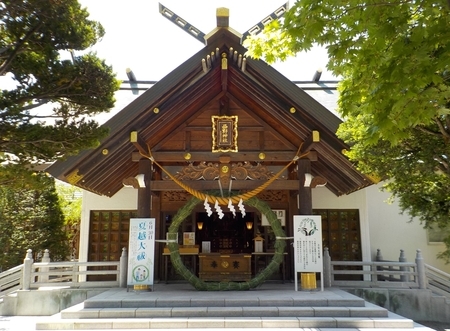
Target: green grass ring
point(199, 284)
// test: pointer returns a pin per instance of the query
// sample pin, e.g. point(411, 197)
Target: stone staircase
point(178, 306)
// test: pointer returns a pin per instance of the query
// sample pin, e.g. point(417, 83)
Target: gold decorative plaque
point(224, 133)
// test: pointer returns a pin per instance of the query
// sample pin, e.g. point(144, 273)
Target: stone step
point(391, 322)
point(120, 298)
point(369, 311)
point(180, 307)
point(161, 302)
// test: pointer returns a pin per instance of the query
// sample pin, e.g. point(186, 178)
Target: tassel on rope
point(231, 207)
point(207, 208)
point(218, 210)
point(241, 207)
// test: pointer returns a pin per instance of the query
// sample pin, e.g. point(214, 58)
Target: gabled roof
point(174, 117)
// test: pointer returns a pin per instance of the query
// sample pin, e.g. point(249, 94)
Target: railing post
point(326, 268)
point(26, 271)
point(402, 258)
point(421, 275)
point(46, 259)
point(375, 276)
point(75, 270)
point(123, 268)
point(379, 257)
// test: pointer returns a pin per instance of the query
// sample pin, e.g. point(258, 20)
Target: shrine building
point(222, 126)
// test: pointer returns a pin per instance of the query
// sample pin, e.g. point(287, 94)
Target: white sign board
point(308, 244)
point(141, 251)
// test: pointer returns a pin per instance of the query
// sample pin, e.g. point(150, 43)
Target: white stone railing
point(10, 280)
point(31, 275)
point(378, 273)
point(438, 281)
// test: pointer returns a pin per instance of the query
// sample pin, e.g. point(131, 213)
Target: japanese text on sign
point(141, 251)
point(308, 243)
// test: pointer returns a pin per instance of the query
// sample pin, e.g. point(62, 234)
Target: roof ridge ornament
point(182, 23)
point(223, 17)
point(257, 28)
point(223, 21)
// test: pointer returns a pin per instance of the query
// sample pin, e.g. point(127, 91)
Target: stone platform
point(179, 306)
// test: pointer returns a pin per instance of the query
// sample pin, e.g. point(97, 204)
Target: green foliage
point(416, 169)
point(47, 116)
point(31, 219)
point(393, 58)
point(70, 201)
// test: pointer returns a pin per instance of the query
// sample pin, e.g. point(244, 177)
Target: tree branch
point(34, 105)
point(4, 66)
point(442, 129)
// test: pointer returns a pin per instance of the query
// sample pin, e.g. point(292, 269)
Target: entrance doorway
point(229, 235)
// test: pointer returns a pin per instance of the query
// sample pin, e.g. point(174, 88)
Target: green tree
point(70, 198)
point(31, 219)
point(393, 58)
point(47, 115)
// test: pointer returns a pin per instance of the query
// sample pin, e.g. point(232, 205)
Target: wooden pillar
point(144, 193)
point(305, 196)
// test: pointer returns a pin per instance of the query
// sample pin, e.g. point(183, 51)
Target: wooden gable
point(173, 118)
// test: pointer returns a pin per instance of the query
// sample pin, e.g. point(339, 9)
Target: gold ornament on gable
point(224, 133)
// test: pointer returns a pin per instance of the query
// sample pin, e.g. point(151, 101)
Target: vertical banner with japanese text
point(308, 244)
point(141, 251)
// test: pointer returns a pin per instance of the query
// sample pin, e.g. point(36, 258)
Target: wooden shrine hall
point(223, 125)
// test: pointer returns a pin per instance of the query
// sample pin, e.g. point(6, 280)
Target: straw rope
point(225, 200)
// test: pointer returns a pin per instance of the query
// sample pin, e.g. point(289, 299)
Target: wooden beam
point(178, 156)
point(169, 185)
point(144, 193)
point(138, 142)
point(310, 141)
point(304, 192)
point(224, 74)
point(185, 124)
point(261, 121)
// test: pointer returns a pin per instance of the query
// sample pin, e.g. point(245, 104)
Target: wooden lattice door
point(341, 233)
point(108, 234)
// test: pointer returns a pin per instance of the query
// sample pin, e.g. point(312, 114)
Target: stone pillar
point(402, 258)
point(45, 259)
point(326, 268)
point(26, 271)
point(123, 268)
point(379, 256)
point(421, 275)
